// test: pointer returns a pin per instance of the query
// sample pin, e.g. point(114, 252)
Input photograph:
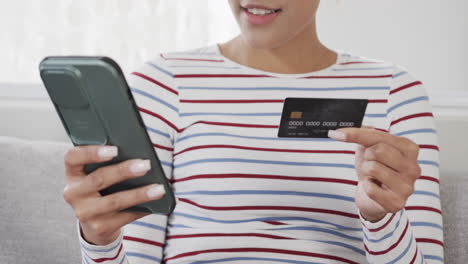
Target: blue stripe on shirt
point(275, 219)
point(160, 69)
point(417, 131)
point(159, 132)
point(272, 192)
point(250, 137)
point(377, 88)
point(427, 194)
point(427, 224)
point(152, 226)
point(389, 234)
point(434, 258)
point(267, 260)
point(99, 250)
point(138, 91)
point(257, 114)
point(428, 162)
point(144, 256)
point(365, 69)
point(340, 244)
point(406, 102)
point(410, 243)
point(272, 162)
point(399, 74)
point(322, 230)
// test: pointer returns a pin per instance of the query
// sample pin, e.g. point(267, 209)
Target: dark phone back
point(96, 107)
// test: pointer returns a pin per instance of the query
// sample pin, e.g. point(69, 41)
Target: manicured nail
point(336, 135)
point(140, 166)
point(156, 191)
point(107, 152)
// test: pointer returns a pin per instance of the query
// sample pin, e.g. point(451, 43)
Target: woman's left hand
point(387, 168)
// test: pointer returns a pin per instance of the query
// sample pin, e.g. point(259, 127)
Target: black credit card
point(314, 117)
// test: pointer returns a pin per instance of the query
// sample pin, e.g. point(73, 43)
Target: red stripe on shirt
point(254, 101)
point(144, 241)
point(383, 226)
point(427, 178)
point(267, 149)
point(434, 147)
point(189, 59)
point(427, 114)
point(431, 241)
point(360, 62)
point(266, 207)
point(231, 101)
point(234, 124)
point(228, 235)
point(155, 82)
point(423, 208)
point(394, 245)
point(221, 76)
point(264, 250)
point(163, 147)
point(405, 87)
point(204, 122)
point(146, 111)
point(350, 77)
point(414, 256)
point(274, 223)
point(268, 76)
point(269, 177)
point(99, 260)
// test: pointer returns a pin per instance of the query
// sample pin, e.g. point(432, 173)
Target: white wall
point(429, 37)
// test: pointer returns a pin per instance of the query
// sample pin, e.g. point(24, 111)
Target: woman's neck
point(305, 53)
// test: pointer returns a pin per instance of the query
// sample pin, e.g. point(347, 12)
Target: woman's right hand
point(100, 216)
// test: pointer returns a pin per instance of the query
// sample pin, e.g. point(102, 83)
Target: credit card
point(314, 117)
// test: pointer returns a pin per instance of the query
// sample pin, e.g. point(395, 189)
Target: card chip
point(296, 115)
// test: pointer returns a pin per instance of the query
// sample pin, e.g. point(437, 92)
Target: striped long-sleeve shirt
point(248, 196)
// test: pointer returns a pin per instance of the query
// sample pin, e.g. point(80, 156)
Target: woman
point(246, 196)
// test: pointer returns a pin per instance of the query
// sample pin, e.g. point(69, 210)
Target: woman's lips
point(259, 15)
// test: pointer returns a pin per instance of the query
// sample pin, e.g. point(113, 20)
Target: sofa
point(37, 226)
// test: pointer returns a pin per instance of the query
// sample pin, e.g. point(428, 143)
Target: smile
point(261, 11)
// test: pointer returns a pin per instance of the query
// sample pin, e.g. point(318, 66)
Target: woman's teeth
point(260, 12)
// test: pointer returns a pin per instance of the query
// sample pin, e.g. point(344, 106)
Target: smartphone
point(96, 107)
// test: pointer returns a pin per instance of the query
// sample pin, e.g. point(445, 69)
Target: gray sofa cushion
point(37, 226)
point(454, 195)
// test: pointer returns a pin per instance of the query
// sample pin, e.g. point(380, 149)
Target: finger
point(110, 175)
point(118, 201)
point(76, 158)
point(384, 197)
point(387, 155)
point(390, 179)
point(359, 157)
point(369, 137)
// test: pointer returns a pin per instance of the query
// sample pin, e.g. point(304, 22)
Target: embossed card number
point(314, 117)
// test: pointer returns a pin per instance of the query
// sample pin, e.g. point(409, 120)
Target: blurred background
point(428, 37)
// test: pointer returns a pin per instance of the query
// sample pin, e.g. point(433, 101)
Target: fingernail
point(336, 135)
point(140, 166)
point(107, 152)
point(156, 191)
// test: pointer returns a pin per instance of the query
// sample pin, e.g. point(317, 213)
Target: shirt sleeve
point(415, 234)
point(156, 97)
